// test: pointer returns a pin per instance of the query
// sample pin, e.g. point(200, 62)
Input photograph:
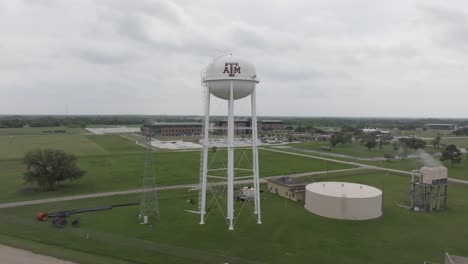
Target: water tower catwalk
point(230, 78)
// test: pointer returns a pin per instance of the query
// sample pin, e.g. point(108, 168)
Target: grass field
point(40, 130)
point(352, 149)
point(115, 163)
point(459, 142)
point(289, 234)
point(14, 147)
point(457, 171)
point(423, 133)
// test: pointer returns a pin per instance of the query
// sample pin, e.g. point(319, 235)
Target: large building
point(172, 129)
point(166, 129)
point(270, 125)
point(287, 187)
point(448, 127)
point(243, 126)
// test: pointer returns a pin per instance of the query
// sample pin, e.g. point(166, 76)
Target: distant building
point(374, 130)
point(449, 127)
point(271, 125)
point(287, 187)
point(167, 129)
point(243, 126)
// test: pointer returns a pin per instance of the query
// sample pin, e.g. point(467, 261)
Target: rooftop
point(287, 181)
point(174, 123)
point(271, 121)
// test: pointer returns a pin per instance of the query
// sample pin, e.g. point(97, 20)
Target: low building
point(287, 187)
point(449, 127)
point(167, 129)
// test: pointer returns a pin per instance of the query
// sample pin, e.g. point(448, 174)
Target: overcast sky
point(396, 58)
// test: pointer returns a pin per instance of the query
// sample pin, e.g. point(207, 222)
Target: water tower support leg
point(255, 158)
point(230, 190)
point(205, 158)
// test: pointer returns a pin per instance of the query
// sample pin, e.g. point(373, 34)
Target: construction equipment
point(59, 217)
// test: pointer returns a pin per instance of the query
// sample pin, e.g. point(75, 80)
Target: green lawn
point(14, 147)
point(429, 133)
point(352, 149)
point(40, 130)
point(122, 169)
point(457, 171)
point(289, 234)
point(459, 142)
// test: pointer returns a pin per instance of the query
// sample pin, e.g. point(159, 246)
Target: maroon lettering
point(231, 68)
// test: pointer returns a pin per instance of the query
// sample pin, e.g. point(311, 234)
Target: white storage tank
point(343, 200)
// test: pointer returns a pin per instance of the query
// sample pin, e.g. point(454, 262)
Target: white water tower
point(230, 78)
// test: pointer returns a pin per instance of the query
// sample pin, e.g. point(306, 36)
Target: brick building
point(287, 187)
point(166, 129)
point(270, 125)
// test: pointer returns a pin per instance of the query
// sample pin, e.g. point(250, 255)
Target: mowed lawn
point(289, 234)
point(352, 149)
point(459, 142)
point(15, 146)
point(115, 163)
point(456, 171)
point(41, 130)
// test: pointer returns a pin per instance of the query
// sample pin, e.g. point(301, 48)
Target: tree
point(49, 167)
point(413, 143)
point(370, 143)
point(347, 137)
point(300, 129)
point(338, 138)
point(461, 131)
point(334, 140)
point(436, 142)
point(452, 153)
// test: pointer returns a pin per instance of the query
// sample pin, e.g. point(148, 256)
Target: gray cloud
point(324, 57)
point(450, 26)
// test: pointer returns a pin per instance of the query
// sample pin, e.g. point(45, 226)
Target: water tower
point(230, 78)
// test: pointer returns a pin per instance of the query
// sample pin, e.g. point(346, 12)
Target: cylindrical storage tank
point(343, 200)
point(223, 70)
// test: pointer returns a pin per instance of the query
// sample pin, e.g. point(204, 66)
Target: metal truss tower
point(149, 205)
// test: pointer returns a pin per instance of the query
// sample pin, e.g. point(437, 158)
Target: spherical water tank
point(343, 200)
point(219, 74)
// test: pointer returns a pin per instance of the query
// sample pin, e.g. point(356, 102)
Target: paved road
point(173, 187)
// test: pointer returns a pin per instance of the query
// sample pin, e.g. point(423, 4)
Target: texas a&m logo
point(231, 68)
